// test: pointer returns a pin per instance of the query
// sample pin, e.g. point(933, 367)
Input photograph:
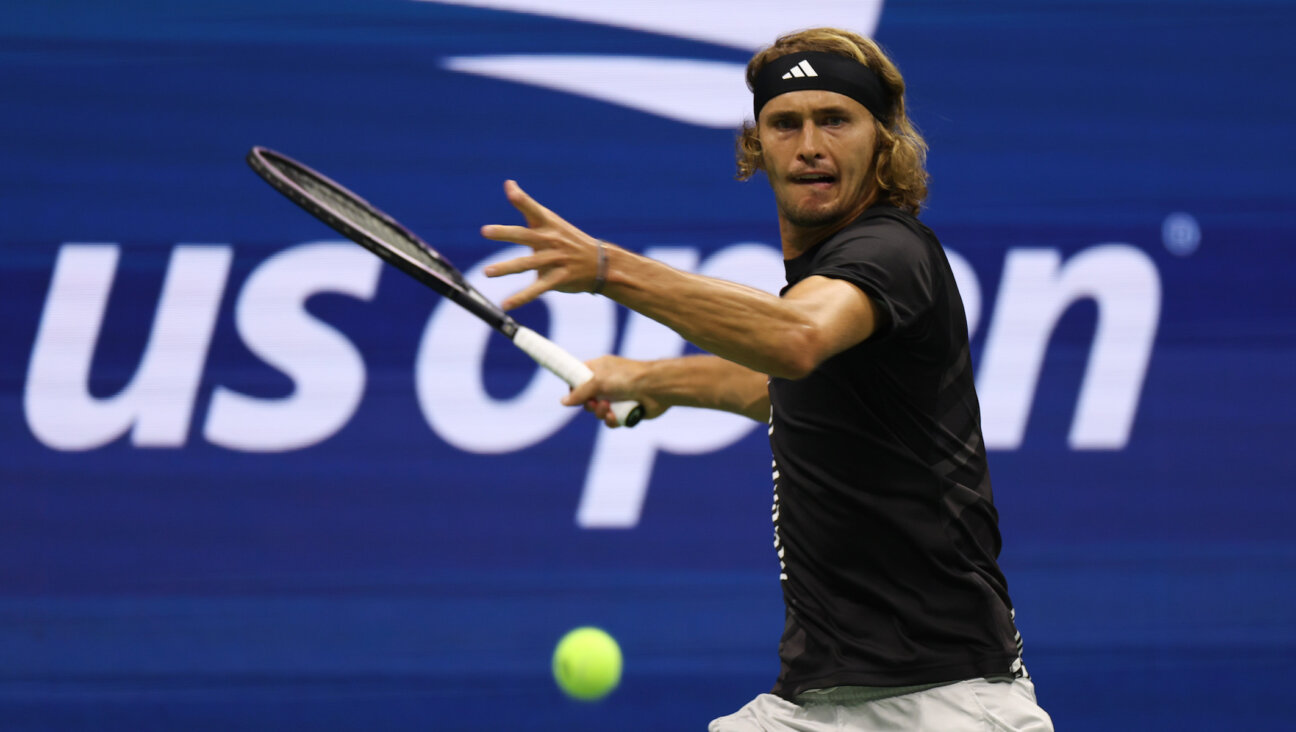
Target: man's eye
point(834, 121)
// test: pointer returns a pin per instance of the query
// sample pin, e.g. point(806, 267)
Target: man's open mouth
point(814, 178)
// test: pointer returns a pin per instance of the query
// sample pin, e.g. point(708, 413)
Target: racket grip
point(570, 369)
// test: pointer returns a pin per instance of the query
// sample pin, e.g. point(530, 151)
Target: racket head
point(362, 222)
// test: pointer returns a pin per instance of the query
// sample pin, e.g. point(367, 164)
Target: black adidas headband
point(818, 70)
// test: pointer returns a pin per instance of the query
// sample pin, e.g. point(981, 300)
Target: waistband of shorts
point(863, 694)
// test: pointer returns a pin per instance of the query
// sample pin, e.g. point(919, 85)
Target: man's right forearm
point(709, 382)
point(742, 324)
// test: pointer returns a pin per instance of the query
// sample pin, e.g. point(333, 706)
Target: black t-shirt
point(885, 527)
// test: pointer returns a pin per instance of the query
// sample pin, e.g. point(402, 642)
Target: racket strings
point(366, 220)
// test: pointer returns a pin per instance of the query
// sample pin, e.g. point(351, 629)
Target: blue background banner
point(250, 478)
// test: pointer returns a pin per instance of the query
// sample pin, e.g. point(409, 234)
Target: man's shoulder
point(883, 231)
point(885, 221)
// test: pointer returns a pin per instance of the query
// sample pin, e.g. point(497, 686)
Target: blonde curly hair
point(900, 156)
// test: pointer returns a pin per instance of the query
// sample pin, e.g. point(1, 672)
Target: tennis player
point(897, 614)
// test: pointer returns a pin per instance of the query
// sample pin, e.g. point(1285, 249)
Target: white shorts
point(976, 704)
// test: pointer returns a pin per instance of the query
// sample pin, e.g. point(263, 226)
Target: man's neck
point(798, 239)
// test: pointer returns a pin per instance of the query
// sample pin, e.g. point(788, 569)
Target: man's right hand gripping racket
point(374, 230)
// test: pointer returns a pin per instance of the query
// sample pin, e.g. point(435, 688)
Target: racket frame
point(448, 280)
point(451, 283)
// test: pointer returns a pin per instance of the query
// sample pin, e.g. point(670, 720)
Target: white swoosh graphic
point(696, 92)
point(693, 91)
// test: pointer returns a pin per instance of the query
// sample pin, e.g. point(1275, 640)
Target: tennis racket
point(374, 230)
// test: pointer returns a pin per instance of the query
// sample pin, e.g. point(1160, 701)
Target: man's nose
point(810, 143)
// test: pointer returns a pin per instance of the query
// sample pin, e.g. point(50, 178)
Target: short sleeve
point(891, 264)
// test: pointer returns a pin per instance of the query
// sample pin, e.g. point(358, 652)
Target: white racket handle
point(570, 369)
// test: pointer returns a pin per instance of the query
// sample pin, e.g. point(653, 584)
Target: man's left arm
point(786, 337)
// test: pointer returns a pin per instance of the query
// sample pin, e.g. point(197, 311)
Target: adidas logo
point(802, 69)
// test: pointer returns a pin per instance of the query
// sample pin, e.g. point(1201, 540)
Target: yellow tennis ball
point(587, 664)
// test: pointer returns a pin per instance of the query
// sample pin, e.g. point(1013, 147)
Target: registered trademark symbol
point(1180, 233)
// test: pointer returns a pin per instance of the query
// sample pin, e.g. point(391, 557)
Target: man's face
point(818, 150)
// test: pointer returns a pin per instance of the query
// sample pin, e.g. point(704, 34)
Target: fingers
point(531, 210)
point(555, 244)
point(512, 266)
point(516, 234)
point(602, 410)
point(530, 292)
point(582, 394)
point(587, 395)
point(520, 264)
point(536, 216)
